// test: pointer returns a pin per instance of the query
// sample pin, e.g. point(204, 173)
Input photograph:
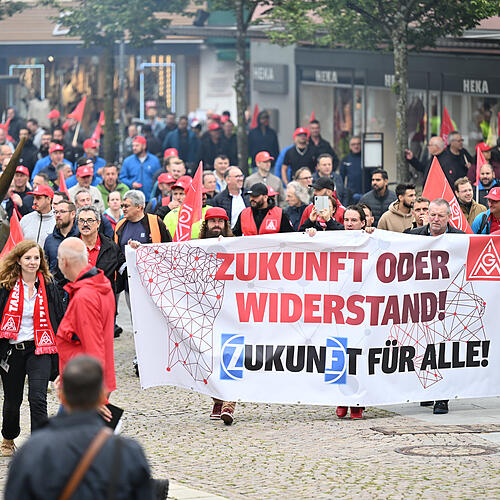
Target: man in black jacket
point(55, 450)
point(379, 198)
point(232, 199)
point(263, 138)
point(439, 223)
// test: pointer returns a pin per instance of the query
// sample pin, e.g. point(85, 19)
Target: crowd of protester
point(76, 237)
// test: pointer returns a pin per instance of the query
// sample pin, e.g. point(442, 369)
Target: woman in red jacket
point(31, 309)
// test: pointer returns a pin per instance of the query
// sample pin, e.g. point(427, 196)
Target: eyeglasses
point(304, 178)
point(126, 206)
point(57, 212)
point(86, 222)
point(237, 176)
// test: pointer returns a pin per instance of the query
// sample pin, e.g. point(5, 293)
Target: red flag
point(446, 126)
point(77, 113)
point(436, 186)
point(65, 125)
point(313, 116)
point(98, 128)
point(255, 122)
point(480, 161)
point(191, 209)
point(62, 183)
point(16, 235)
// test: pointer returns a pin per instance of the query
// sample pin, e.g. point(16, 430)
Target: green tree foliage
point(397, 25)
point(9, 8)
point(102, 23)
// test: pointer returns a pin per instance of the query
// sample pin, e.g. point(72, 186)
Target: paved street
point(277, 451)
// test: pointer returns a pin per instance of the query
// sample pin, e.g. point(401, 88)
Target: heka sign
point(483, 258)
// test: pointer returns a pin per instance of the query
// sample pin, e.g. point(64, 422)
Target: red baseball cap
point(263, 156)
point(54, 114)
point(166, 179)
point(494, 194)
point(300, 130)
point(140, 139)
point(55, 147)
point(42, 190)
point(271, 191)
point(183, 182)
point(214, 126)
point(90, 143)
point(216, 213)
point(21, 169)
point(84, 171)
point(170, 152)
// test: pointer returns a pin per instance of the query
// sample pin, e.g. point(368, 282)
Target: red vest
point(270, 224)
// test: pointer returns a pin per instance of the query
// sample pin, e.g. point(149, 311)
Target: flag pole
point(75, 136)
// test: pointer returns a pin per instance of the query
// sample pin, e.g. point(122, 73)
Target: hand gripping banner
point(342, 318)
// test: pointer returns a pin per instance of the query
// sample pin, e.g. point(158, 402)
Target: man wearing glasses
point(136, 226)
point(232, 199)
point(64, 213)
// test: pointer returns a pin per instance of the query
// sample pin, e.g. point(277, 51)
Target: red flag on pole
point(16, 235)
point(436, 186)
point(98, 128)
point(313, 116)
point(191, 209)
point(77, 113)
point(255, 122)
point(480, 161)
point(446, 126)
point(62, 183)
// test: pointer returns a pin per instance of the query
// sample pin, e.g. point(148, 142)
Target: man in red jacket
point(88, 325)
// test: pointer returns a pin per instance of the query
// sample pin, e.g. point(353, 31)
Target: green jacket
point(120, 187)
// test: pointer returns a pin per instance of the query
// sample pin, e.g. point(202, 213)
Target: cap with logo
point(21, 169)
point(55, 147)
point(84, 171)
point(323, 183)
point(257, 189)
point(494, 194)
point(299, 131)
point(170, 152)
point(42, 190)
point(263, 156)
point(90, 143)
point(216, 213)
point(166, 178)
point(271, 191)
point(213, 126)
point(140, 139)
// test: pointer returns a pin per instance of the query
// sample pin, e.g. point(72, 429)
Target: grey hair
point(441, 202)
point(136, 197)
point(82, 190)
point(89, 208)
point(301, 191)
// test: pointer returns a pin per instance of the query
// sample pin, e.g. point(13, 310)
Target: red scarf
point(11, 322)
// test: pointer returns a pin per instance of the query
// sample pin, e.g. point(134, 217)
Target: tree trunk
point(400, 42)
point(109, 103)
point(240, 85)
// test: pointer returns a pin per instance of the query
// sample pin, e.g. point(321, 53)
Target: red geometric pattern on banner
point(462, 322)
point(180, 280)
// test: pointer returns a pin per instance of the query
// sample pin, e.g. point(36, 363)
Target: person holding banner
point(31, 310)
point(262, 217)
point(439, 223)
point(216, 224)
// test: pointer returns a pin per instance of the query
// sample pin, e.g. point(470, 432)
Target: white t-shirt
point(237, 206)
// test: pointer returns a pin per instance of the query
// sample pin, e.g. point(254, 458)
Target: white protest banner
point(339, 318)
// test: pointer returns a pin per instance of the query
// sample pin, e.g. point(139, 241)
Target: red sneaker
point(341, 411)
point(215, 415)
point(356, 412)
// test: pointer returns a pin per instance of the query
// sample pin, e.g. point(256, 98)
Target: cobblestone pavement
point(279, 451)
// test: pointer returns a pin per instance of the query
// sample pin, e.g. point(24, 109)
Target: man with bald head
point(88, 325)
point(437, 148)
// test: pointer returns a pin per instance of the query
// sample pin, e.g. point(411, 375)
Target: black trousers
point(22, 363)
